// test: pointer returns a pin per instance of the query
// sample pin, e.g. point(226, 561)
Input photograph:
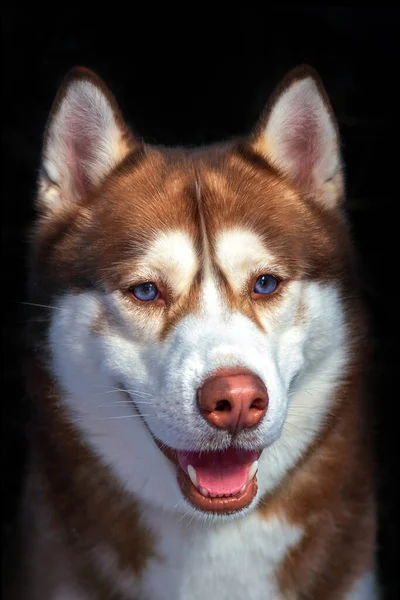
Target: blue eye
point(146, 292)
point(265, 284)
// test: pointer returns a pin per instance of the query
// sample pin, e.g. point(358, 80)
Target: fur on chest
point(231, 560)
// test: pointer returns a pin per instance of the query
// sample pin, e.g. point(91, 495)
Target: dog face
point(198, 329)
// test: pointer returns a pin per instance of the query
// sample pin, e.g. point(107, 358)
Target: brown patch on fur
point(329, 494)
point(90, 508)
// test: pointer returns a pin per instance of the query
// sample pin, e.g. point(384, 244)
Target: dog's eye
point(265, 284)
point(146, 292)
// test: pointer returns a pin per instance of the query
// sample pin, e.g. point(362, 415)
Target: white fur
point(232, 560)
point(124, 580)
point(239, 252)
point(366, 588)
point(171, 258)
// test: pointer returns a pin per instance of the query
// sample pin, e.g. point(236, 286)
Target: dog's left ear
point(299, 136)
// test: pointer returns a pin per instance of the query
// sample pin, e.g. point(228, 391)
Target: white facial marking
point(171, 256)
point(240, 254)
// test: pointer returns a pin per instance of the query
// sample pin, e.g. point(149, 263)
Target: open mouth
point(224, 481)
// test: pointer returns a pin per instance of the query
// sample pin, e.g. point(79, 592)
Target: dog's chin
point(220, 483)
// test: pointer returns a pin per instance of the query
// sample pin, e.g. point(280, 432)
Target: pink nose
point(233, 400)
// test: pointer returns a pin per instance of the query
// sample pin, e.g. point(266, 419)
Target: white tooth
point(203, 492)
point(213, 495)
point(242, 489)
point(253, 470)
point(192, 474)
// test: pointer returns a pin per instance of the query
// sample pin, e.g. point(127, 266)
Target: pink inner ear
point(79, 143)
point(74, 166)
point(301, 140)
point(301, 136)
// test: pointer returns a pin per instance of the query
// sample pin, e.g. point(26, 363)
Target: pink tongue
point(223, 472)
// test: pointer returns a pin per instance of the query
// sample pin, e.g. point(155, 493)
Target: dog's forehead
point(244, 217)
point(211, 190)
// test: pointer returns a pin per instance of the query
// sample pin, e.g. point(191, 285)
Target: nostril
point(258, 403)
point(223, 406)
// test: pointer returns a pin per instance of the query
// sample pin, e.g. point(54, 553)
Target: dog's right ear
point(85, 139)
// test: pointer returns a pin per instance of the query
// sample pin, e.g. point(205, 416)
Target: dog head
point(197, 328)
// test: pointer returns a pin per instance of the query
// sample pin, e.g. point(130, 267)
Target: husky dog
point(197, 370)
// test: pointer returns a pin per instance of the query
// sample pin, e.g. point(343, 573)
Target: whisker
point(185, 514)
point(123, 402)
point(117, 417)
point(110, 390)
point(138, 392)
point(301, 429)
point(190, 522)
point(38, 305)
point(298, 391)
point(309, 390)
point(293, 407)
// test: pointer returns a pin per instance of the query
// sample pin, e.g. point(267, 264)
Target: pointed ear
point(299, 136)
point(84, 140)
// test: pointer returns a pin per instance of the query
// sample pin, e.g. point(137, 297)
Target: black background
point(193, 78)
